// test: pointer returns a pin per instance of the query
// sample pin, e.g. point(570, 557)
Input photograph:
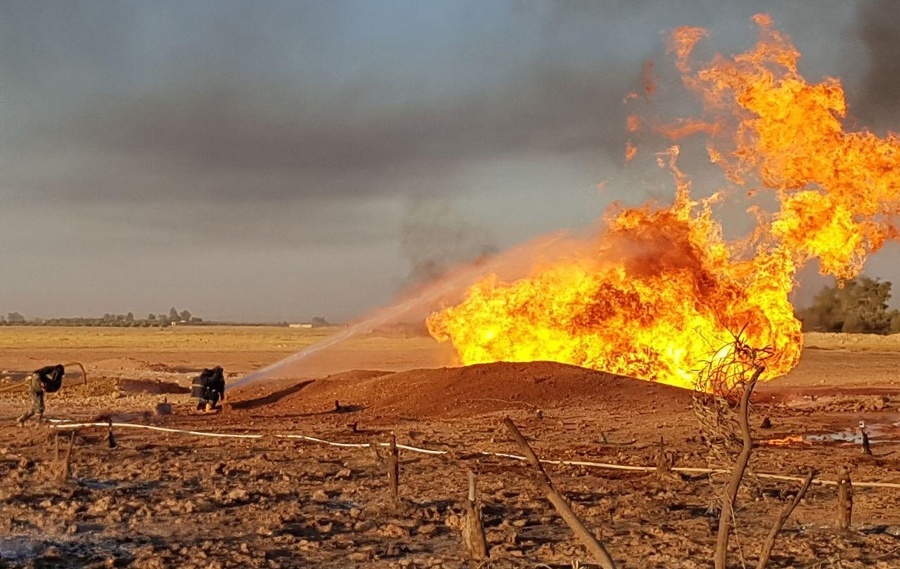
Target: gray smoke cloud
point(437, 238)
point(222, 142)
point(296, 134)
point(877, 102)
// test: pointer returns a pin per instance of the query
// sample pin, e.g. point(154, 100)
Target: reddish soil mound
point(152, 387)
point(464, 391)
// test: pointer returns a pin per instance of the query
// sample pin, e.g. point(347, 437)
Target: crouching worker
point(47, 379)
point(208, 388)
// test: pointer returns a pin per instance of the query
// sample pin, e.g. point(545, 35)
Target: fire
point(838, 190)
point(662, 293)
point(630, 152)
point(789, 440)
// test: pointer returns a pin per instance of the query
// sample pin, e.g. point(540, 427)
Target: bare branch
point(596, 549)
point(737, 474)
point(786, 512)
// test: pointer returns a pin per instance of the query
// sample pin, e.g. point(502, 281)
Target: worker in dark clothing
point(208, 387)
point(47, 379)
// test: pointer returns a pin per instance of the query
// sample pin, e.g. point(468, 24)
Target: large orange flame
point(662, 293)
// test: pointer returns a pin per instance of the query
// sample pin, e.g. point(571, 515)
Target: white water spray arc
point(427, 299)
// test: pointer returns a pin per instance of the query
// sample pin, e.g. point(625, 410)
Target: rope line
point(60, 424)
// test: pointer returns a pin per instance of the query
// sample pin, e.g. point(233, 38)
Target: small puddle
point(99, 484)
point(342, 505)
point(878, 433)
point(59, 551)
point(18, 548)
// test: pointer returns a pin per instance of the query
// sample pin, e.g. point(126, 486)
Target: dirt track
point(174, 500)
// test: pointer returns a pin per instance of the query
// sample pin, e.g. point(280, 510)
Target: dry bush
point(718, 391)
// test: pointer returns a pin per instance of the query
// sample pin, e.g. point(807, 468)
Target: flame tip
point(660, 288)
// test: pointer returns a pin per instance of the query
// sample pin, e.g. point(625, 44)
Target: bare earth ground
point(162, 499)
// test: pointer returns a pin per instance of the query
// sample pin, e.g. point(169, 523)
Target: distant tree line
point(860, 306)
point(128, 320)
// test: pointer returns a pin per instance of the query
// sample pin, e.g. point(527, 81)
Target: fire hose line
point(15, 386)
point(60, 424)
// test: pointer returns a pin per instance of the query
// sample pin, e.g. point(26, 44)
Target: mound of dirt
point(152, 387)
point(464, 391)
point(122, 364)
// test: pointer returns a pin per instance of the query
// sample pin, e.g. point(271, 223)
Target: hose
point(14, 386)
point(83, 372)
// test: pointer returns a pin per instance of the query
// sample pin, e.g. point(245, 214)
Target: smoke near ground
point(437, 238)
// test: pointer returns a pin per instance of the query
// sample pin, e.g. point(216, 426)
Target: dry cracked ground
point(174, 499)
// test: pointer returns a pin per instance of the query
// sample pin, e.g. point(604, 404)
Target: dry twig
point(737, 474)
point(596, 549)
point(786, 512)
point(393, 471)
point(65, 470)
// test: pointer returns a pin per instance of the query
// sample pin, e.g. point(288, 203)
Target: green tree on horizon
point(860, 306)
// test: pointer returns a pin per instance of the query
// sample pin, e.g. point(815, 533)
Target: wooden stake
point(845, 499)
point(377, 454)
point(782, 518)
point(664, 460)
point(110, 439)
point(867, 449)
point(473, 527)
point(65, 472)
point(393, 470)
point(600, 554)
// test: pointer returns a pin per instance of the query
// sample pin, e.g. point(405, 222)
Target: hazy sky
point(281, 160)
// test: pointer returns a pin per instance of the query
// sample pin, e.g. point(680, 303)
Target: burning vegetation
point(661, 293)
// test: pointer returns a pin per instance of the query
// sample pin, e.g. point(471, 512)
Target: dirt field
point(172, 499)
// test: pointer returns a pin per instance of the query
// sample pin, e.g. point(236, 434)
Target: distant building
point(300, 325)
